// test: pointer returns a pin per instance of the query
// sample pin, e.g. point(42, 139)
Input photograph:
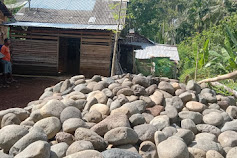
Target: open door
point(69, 56)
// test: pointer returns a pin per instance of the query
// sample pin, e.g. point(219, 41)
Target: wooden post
point(196, 69)
point(116, 42)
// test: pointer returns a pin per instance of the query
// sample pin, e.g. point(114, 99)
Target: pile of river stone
point(127, 116)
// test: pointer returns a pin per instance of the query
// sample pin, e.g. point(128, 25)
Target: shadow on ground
point(25, 90)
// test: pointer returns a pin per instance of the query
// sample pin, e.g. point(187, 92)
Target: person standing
point(6, 61)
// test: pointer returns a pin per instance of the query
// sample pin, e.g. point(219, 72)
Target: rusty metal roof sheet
point(158, 50)
point(72, 12)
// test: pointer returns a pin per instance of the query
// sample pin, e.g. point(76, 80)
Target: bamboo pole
point(116, 42)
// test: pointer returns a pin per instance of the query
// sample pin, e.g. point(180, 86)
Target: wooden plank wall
point(31, 56)
point(95, 53)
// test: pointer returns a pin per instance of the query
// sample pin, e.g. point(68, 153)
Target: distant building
point(65, 36)
point(135, 49)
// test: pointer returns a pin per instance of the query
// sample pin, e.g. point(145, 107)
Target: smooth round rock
point(196, 153)
point(195, 106)
point(70, 112)
point(64, 137)
point(159, 137)
point(213, 118)
point(111, 122)
point(165, 86)
point(194, 116)
point(88, 135)
point(230, 126)
point(189, 124)
point(228, 139)
point(78, 146)
point(160, 122)
point(86, 154)
point(187, 135)
point(232, 153)
point(52, 108)
point(119, 153)
point(35, 134)
point(206, 136)
point(165, 149)
point(121, 136)
point(145, 132)
point(213, 154)
point(137, 119)
point(93, 116)
point(38, 149)
point(10, 119)
point(50, 125)
point(10, 134)
point(102, 108)
point(58, 150)
point(70, 125)
point(205, 128)
point(157, 97)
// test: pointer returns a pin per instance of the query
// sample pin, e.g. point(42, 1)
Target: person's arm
point(3, 50)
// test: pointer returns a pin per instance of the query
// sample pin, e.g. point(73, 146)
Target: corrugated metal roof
point(158, 51)
point(64, 26)
point(72, 12)
point(63, 4)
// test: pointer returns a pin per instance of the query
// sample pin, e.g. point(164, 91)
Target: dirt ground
point(26, 89)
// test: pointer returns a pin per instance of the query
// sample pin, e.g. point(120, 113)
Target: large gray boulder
point(52, 108)
point(38, 149)
point(194, 116)
point(70, 112)
point(145, 132)
point(119, 153)
point(70, 125)
point(121, 136)
point(213, 118)
point(10, 134)
point(78, 146)
point(165, 86)
point(172, 148)
point(111, 122)
point(88, 135)
point(205, 128)
point(232, 153)
point(58, 150)
point(35, 134)
point(86, 154)
point(230, 126)
point(50, 125)
point(10, 119)
point(228, 139)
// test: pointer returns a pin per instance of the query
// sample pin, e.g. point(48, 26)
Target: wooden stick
point(231, 75)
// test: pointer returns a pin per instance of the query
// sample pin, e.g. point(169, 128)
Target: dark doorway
point(126, 58)
point(69, 55)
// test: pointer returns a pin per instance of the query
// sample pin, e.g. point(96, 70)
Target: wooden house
point(65, 36)
point(5, 14)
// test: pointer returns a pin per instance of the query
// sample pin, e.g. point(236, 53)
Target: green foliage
point(10, 1)
point(163, 67)
point(171, 21)
point(217, 50)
